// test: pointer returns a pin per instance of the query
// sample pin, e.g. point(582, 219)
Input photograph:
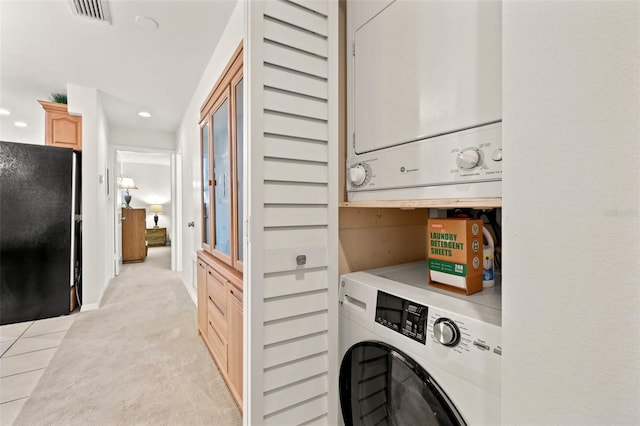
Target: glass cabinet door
point(206, 207)
point(222, 180)
point(239, 168)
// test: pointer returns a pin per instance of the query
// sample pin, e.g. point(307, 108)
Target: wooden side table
point(156, 237)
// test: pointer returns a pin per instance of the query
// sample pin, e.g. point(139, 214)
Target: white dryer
point(416, 355)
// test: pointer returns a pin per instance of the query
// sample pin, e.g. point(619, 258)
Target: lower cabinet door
point(202, 297)
point(234, 331)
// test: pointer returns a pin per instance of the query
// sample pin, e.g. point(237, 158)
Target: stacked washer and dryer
point(417, 355)
point(425, 121)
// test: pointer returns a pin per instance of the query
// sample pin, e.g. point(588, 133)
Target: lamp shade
point(127, 183)
point(155, 208)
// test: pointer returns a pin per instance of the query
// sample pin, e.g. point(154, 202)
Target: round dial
point(446, 332)
point(468, 158)
point(358, 175)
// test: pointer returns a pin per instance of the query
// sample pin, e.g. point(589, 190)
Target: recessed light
point(144, 114)
point(20, 124)
point(4, 111)
point(147, 23)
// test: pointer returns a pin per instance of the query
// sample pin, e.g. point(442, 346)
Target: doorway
point(144, 182)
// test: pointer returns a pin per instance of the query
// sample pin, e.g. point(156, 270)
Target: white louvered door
point(291, 53)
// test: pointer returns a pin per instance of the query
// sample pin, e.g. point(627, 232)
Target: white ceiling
point(44, 47)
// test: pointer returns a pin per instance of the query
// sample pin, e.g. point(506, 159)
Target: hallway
point(136, 360)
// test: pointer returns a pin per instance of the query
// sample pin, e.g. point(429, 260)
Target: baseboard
point(191, 292)
point(94, 306)
point(89, 307)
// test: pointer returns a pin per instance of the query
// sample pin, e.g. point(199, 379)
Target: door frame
point(176, 202)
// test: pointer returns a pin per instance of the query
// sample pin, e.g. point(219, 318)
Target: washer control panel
point(465, 347)
point(402, 316)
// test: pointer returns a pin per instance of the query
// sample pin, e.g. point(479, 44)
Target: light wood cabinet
point(156, 237)
point(133, 235)
point(61, 128)
point(220, 318)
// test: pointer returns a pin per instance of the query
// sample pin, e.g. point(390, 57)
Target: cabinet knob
point(191, 224)
point(301, 259)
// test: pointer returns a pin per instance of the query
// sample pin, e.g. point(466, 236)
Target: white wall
point(571, 213)
point(97, 226)
point(142, 138)
point(189, 142)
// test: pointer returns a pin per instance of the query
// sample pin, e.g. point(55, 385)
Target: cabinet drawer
point(234, 295)
point(216, 284)
point(218, 346)
point(217, 296)
point(218, 318)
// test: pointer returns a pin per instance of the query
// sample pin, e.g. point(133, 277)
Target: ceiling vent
point(97, 10)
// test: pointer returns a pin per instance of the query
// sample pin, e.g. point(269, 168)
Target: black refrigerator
point(40, 231)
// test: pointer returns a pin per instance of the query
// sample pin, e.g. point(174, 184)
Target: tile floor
point(25, 351)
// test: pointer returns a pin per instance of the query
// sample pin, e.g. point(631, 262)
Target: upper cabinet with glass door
point(222, 144)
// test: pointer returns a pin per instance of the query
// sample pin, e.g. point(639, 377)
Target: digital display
point(402, 316)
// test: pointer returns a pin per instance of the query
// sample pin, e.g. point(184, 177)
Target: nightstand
point(156, 236)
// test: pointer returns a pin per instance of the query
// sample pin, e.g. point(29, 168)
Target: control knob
point(357, 175)
point(468, 158)
point(446, 332)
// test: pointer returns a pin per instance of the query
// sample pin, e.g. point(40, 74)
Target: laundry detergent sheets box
point(454, 247)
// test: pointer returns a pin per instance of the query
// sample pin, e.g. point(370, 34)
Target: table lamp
point(127, 184)
point(155, 208)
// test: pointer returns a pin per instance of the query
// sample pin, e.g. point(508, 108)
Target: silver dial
point(468, 158)
point(446, 332)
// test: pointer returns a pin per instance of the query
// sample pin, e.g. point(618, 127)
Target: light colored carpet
point(138, 360)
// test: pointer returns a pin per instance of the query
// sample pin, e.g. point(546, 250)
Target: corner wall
point(97, 227)
point(571, 213)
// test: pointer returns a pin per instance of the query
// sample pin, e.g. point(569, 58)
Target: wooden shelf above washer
point(444, 203)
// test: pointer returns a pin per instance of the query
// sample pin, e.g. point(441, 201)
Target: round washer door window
point(380, 385)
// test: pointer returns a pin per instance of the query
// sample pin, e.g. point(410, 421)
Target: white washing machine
point(416, 355)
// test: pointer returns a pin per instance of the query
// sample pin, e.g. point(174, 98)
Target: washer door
point(379, 385)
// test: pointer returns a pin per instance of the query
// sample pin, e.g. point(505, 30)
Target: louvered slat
point(318, 6)
point(289, 12)
point(294, 394)
point(281, 238)
point(291, 103)
point(293, 59)
point(294, 349)
point(292, 170)
point(295, 216)
point(279, 146)
point(297, 127)
point(308, 367)
point(295, 82)
point(291, 306)
point(295, 37)
point(301, 413)
point(288, 193)
point(295, 327)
